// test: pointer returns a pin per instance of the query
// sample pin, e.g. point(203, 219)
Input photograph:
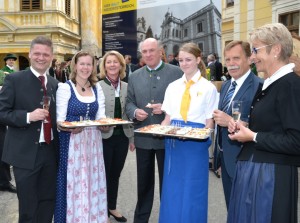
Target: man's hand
point(221, 118)
point(140, 114)
point(38, 115)
point(156, 109)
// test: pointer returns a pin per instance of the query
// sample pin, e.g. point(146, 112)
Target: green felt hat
point(10, 56)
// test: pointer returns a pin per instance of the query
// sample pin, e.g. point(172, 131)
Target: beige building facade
point(71, 24)
point(239, 17)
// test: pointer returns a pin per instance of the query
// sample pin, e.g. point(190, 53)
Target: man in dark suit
point(129, 67)
point(237, 56)
point(30, 144)
point(212, 67)
point(219, 70)
point(5, 176)
point(148, 85)
point(175, 60)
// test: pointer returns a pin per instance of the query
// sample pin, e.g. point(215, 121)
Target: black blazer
point(22, 93)
point(219, 71)
point(275, 117)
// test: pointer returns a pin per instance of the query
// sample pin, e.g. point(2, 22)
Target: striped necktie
point(228, 96)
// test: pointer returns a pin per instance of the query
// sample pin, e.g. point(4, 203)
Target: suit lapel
point(247, 83)
point(223, 92)
point(123, 92)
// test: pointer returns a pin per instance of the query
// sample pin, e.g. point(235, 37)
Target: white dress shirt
point(204, 99)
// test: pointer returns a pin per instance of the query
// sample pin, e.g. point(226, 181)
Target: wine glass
point(236, 110)
point(46, 105)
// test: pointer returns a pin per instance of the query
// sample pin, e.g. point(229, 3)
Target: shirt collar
point(37, 74)
point(156, 68)
point(288, 68)
point(195, 78)
point(240, 81)
point(9, 67)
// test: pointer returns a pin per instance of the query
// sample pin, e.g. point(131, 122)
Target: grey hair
point(274, 33)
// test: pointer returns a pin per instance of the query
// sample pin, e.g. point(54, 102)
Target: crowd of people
point(72, 174)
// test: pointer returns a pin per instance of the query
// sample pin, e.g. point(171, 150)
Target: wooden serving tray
point(100, 122)
point(175, 131)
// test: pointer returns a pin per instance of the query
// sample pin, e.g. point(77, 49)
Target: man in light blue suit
point(242, 86)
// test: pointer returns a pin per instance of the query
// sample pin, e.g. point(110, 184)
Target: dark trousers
point(146, 181)
point(36, 188)
point(5, 176)
point(115, 151)
point(226, 180)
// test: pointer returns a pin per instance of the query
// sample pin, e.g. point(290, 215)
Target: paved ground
point(127, 198)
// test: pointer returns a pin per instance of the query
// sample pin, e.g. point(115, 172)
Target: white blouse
point(63, 94)
point(204, 99)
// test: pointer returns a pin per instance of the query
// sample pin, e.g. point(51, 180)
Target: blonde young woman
point(81, 183)
point(117, 140)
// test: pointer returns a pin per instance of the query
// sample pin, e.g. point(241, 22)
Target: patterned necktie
point(228, 96)
point(185, 101)
point(47, 126)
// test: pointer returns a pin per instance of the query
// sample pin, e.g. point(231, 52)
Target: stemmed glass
point(46, 105)
point(236, 110)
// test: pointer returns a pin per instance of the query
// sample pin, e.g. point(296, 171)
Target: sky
point(155, 15)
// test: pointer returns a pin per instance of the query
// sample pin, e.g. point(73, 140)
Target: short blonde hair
point(120, 59)
point(274, 33)
point(93, 77)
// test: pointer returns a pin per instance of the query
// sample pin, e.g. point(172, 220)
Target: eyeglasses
point(255, 49)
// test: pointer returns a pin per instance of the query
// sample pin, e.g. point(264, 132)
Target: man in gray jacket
point(146, 90)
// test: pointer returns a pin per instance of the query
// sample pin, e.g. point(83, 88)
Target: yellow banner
point(113, 6)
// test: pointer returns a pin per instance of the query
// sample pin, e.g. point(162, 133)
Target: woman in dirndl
point(265, 186)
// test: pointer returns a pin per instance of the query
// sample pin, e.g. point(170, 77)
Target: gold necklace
point(82, 87)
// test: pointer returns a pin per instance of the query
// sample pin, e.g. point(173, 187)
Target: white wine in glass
point(236, 110)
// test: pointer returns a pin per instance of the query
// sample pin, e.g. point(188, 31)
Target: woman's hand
point(71, 130)
point(232, 126)
point(239, 132)
point(77, 130)
point(131, 147)
point(104, 128)
point(167, 120)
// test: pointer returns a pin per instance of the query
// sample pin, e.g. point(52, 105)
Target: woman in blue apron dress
point(185, 183)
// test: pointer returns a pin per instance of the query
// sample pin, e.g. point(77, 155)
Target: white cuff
point(254, 137)
point(27, 118)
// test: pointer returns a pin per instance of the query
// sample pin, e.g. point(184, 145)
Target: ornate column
point(91, 23)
